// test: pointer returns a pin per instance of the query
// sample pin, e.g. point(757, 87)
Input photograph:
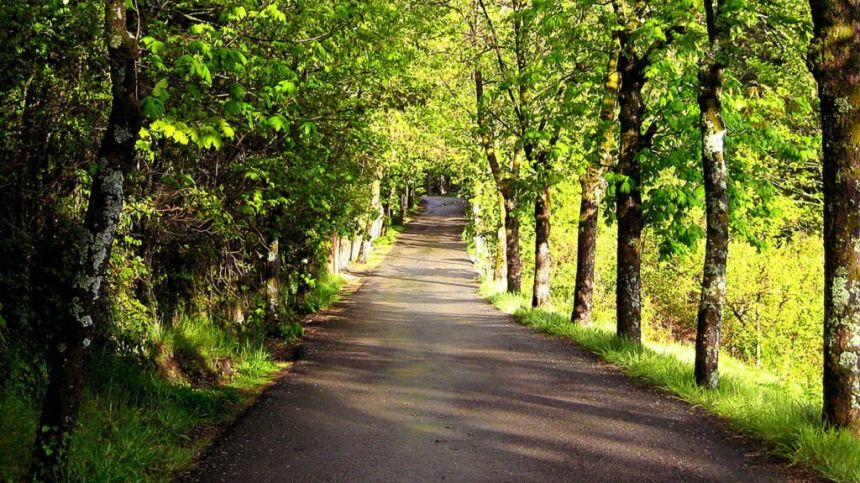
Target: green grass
point(137, 426)
point(786, 417)
point(134, 425)
point(324, 293)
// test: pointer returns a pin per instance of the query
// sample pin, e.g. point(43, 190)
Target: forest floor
point(417, 378)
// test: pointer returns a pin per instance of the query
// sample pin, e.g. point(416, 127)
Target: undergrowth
point(145, 418)
point(785, 416)
point(138, 423)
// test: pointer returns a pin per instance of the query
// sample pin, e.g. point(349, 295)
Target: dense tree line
point(627, 75)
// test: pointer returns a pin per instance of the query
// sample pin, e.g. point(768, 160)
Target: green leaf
point(152, 107)
point(277, 122)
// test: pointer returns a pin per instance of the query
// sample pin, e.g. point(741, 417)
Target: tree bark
point(543, 259)
point(273, 292)
point(713, 131)
point(374, 223)
point(72, 353)
point(512, 246)
point(628, 290)
point(592, 184)
point(586, 246)
point(835, 63)
point(500, 263)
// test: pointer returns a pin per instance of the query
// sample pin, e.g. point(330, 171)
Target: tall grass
point(783, 415)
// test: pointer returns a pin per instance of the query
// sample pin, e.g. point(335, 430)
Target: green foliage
point(291, 330)
point(773, 307)
point(324, 292)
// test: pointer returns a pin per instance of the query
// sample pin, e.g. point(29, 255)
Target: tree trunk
point(713, 130)
point(365, 244)
point(32, 142)
point(410, 197)
point(628, 290)
point(376, 207)
point(835, 62)
point(355, 246)
point(273, 292)
point(507, 191)
point(592, 183)
point(586, 245)
point(334, 255)
point(500, 264)
point(512, 246)
point(374, 222)
point(70, 361)
point(543, 260)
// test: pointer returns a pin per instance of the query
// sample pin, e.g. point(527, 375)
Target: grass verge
point(136, 424)
point(786, 417)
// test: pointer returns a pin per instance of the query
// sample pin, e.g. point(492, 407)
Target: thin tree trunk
point(543, 260)
point(628, 290)
point(273, 292)
point(32, 143)
point(365, 244)
point(68, 370)
point(334, 255)
point(506, 192)
point(713, 130)
point(410, 197)
point(377, 211)
point(592, 183)
point(373, 228)
point(512, 246)
point(835, 62)
point(500, 264)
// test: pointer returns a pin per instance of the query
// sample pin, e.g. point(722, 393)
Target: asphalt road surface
point(419, 379)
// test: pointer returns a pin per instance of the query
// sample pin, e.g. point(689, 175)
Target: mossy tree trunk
point(592, 184)
point(514, 267)
point(273, 291)
point(628, 202)
point(835, 63)
point(499, 262)
point(712, 300)
point(72, 353)
point(543, 259)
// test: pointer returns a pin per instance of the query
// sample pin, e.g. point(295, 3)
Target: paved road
point(421, 380)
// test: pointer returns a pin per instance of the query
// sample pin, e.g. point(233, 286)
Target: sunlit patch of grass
point(134, 425)
point(324, 293)
point(783, 415)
